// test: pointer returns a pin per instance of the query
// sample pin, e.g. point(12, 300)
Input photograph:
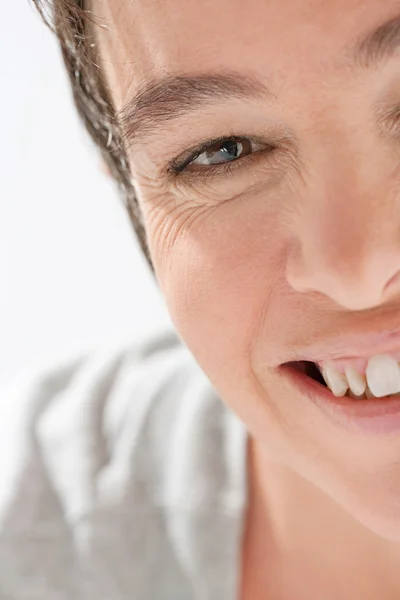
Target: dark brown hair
point(70, 21)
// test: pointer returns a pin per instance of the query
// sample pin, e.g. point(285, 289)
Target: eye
point(222, 151)
point(390, 120)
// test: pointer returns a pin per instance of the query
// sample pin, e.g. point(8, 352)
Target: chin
point(382, 519)
point(384, 527)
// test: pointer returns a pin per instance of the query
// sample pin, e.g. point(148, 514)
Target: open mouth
point(366, 413)
point(311, 370)
point(308, 368)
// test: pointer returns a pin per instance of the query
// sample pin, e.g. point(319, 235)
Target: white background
point(71, 272)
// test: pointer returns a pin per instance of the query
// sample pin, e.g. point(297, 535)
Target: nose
point(346, 246)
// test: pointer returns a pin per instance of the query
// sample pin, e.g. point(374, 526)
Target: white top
point(122, 476)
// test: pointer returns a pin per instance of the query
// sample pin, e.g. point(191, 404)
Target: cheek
point(218, 270)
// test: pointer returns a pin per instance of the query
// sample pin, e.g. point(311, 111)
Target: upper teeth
point(382, 375)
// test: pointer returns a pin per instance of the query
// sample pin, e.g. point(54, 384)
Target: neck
point(296, 537)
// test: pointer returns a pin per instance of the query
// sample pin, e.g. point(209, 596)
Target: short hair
point(70, 22)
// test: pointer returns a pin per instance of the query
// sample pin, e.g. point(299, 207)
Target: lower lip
point(373, 416)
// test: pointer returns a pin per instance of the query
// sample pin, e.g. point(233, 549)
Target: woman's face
point(287, 236)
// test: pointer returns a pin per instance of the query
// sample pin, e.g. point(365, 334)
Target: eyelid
point(222, 170)
point(389, 120)
point(178, 165)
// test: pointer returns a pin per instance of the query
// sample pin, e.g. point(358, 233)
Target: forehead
point(141, 38)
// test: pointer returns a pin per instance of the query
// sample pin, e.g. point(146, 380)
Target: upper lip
point(352, 345)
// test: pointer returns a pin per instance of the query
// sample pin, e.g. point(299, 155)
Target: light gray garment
point(122, 476)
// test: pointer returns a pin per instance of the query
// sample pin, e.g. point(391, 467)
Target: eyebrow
point(378, 45)
point(165, 99)
point(160, 100)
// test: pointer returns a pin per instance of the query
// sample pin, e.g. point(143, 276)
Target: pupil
point(232, 148)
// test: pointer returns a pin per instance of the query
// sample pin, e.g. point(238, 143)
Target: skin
point(251, 277)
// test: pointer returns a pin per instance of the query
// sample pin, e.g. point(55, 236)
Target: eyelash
point(176, 167)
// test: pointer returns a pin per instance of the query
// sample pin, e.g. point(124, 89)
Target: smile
point(367, 413)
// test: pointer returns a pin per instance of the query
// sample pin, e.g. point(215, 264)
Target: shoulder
point(106, 458)
point(135, 417)
point(70, 412)
point(84, 381)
